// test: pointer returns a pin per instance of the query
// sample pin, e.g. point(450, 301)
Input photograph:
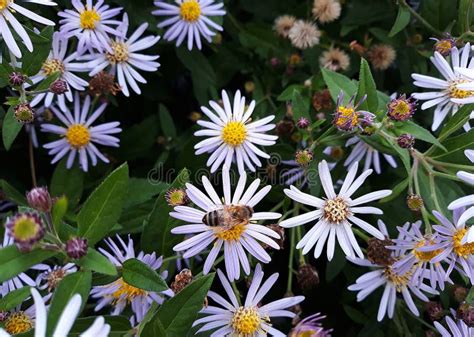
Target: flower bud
point(24, 113)
point(460, 293)
point(76, 248)
point(176, 197)
point(16, 79)
point(181, 280)
point(434, 310)
point(59, 87)
point(401, 108)
point(378, 253)
point(466, 313)
point(406, 141)
point(302, 123)
point(415, 202)
point(249, 87)
point(275, 62)
point(444, 46)
point(280, 231)
point(307, 277)
point(26, 229)
point(304, 157)
point(39, 199)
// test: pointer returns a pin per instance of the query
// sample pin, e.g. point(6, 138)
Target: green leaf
point(142, 190)
point(103, 207)
point(455, 147)
point(288, 93)
point(11, 128)
point(404, 156)
point(464, 15)
point(367, 87)
point(300, 105)
point(5, 71)
point(119, 326)
point(396, 191)
point(179, 312)
point(470, 296)
point(457, 121)
point(14, 298)
point(140, 275)
point(75, 283)
point(33, 61)
point(154, 328)
point(13, 262)
point(46, 83)
point(12, 193)
point(337, 82)
point(166, 122)
point(68, 182)
point(402, 20)
point(419, 132)
point(59, 211)
point(97, 262)
point(157, 235)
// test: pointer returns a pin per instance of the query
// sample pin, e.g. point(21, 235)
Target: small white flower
point(91, 24)
point(251, 318)
point(7, 9)
point(189, 18)
point(233, 135)
point(363, 150)
point(58, 61)
point(125, 58)
point(78, 136)
point(335, 214)
point(447, 97)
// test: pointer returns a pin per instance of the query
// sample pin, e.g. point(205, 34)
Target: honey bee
point(228, 216)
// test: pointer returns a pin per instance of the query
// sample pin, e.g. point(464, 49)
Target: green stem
point(237, 292)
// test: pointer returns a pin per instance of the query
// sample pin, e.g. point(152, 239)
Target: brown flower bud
point(378, 253)
point(39, 199)
point(460, 293)
point(76, 248)
point(434, 310)
point(415, 202)
point(307, 277)
point(181, 280)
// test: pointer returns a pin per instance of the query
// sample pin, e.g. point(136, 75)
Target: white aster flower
point(467, 177)
point(236, 238)
point(456, 328)
point(448, 97)
point(67, 319)
point(189, 19)
point(78, 136)
point(51, 276)
point(7, 9)
point(119, 293)
point(251, 318)
point(125, 58)
point(91, 24)
point(363, 150)
point(335, 214)
point(233, 135)
point(59, 61)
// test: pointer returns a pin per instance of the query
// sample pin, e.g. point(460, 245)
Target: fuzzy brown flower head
point(378, 253)
point(24, 113)
point(77, 248)
point(460, 293)
point(322, 100)
point(415, 202)
point(294, 59)
point(304, 34)
point(59, 87)
point(103, 84)
point(285, 127)
point(444, 45)
point(326, 10)
point(181, 280)
point(283, 24)
point(335, 59)
point(381, 56)
point(304, 157)
point(39, 199)
point(307, 277)
point(302, 123)
point(26, 229)
point(465, 312)
point(336, 153)
point(401, 108)
point(434, 310)
point(280, 231)
point(406, 141)
point(16, 79)
point(177, 197)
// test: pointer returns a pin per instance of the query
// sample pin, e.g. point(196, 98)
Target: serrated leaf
point(140, 275)
point(367, 87)
point(300, 106)
point(97, 262)
point(14, 298)
point(102, 209)
point(11, 128)
point(402, 20)
point(337, 82)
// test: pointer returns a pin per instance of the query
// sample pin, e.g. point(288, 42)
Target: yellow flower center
point(425, 256)
point(190, 11)
point(444, 46)
point(78, 135)
point(54, 277)
point(345, 116)
point(232, 234)
point(399, 281)
point(89, 18)
point(460, 249)
point(18, 322)
point(401, 108)
point(126, 291)
point(247, 322)
point(120, 53)
point(4, 4)
point(234, 133)
point(25, 228)
point(336, 210)
point(52, 66)
point(454, 92)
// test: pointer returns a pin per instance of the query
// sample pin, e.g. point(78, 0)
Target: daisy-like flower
point(58, 61)
point(311, 326)
point(447, 96)
point(10, 7)
point(468, 178)
point(393, 282)
point(401, 108)
point(455, 328)
point(23, 321)
point(444, 45)
point(119, 293)
point(50, 276)
point(78, 136)
point(363, 150)
point(233, 135)
point(452, 246)
point(189, 19)
point(237, 237)
point(124, 57)
point(417, 261)
point(251, 318)
point(26, 230)
point(347, 116)
point(335, 214)
point(91, 24)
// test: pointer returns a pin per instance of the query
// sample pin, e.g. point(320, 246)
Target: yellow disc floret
point(462, 250)
point(78, 135)
point(336, 210)
point(190, 10)
point(423, 256)
point(17, 323)
point(4, 4)
point(120, 53)
point(89, 18)
point(346, 117)
point(232, 234)
point(454, 92)
point(234, 133)
point(25, 228)
point(400, 281)
point(247, 322)
point(51, 66)
point(126, 291)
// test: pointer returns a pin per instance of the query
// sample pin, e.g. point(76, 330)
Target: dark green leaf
point(12, 193)
point(97, 262)
point(337, 82)
point(367, 87)
point(402, 20)
point(142, 190)
point(14, 298)
point(396, 191)
point(300, 105)
point(457, 121)
point(33, 61)
point(68, 182)
point(418, 132)
point(11, 128)
point(166, 121)
point(140, 275)
point(59, 211)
